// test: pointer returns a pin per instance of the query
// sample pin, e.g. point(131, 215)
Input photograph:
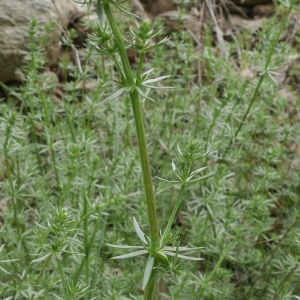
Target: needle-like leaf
point(203, 177)
point(124, 246)
point(113, 96)
point(131, 254)
point(172, 181)
point(42, 257)
point(167, 248)
point(148, 270)
point(156, 79)
point(195, 173)
point(183, 256)
point(139, 232)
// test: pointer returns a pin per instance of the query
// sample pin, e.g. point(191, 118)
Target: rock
point(241, 23)
point(251, 2)
point(15, 17)
point(156, 7)
point(240, 10)
point(138, 9)
point(173, 20)
point(83, 27)
point(263, 11)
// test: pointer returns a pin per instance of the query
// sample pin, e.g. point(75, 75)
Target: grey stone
point(251, 2)
point(15, 17)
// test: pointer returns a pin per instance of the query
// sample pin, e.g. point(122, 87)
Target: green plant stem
point(51, 143)
point(47, 116)
point(62, 276)
point(261, 79)
point(140, 67)
point(271, 257)
point(138, 118)
point(121, 48)
point(173, 215)
point(116, 125)
point(34, 136)
point(176, 206)
point(285, 279)
point(86, 236)
point(150, 288)
point(20, 231)
point(208, 278)
point(69, 122)
point(32, 113)
point(98, 254)
point(139, 125)
point(211, 222)
point(43, 268)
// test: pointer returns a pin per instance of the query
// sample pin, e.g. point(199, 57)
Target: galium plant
point(107, 39)
point(58, 228)
point(246, 216)
point(160, 250)
point(4, 256)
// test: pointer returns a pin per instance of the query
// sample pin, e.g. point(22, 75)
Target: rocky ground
point(228, 16)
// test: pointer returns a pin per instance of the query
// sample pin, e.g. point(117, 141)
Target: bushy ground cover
point(70, 178)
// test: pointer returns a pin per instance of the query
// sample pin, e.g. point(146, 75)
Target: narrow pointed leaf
point(42, 258)
point(148, 72)
point(124, 10)
point(139, 232)
point(198, 171)
point(162, 256)
point(189, 257)
point(134, 32)
point(178, 149)
point(183, 256)
point(40, 225)
point(131, 254)
point(8, 260)
point(157, 44)
point(167, 248)
point(124, 246)
point(100, 13)
point(156, 79)
point(148, 270)
point(4, 271)
point(178, 175)
point(143, 94)
point(203, 177)
point(173, 167)
point(113, 96)
point(201, 156)
point(172, 181)
point(157, 87)
point(195, 173)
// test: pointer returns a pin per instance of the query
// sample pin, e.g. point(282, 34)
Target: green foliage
point(70, 179)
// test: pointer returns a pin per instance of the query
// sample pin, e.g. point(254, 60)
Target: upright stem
point(150, 288)
point(261, 79)
point(19, 228)
point(62, 276)
point(173, 215)
point(139, 125)
point(142, 145)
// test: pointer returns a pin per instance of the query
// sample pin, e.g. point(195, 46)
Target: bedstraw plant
point(76, 221)
point(107, 39)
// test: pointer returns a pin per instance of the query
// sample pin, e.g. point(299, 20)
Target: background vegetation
point(70, 180)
